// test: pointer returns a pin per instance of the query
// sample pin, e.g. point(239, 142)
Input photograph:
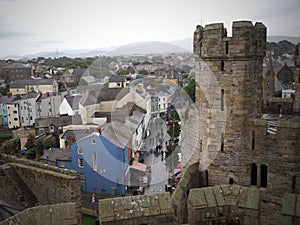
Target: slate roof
point(103, 94)
point(54, 154)
point(7, 99)
point(23, 83)
point(73, 101)
point(285, 75)
point(116, 79)
point(57, 121)
point(119, 133)
point(15, 66)
point(88, 79)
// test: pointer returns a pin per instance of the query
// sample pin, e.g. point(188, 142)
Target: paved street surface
point(154, 156)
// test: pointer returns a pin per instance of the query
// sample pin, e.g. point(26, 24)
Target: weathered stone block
point(197, 198)
point(218, 192)
point(106, 207)
point(253, 199)
point(165, 203)
point(288, 204)
point(210, 197)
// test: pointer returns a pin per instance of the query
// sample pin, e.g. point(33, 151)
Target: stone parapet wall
point(223, 205)
point(49, 184)
point(63, 214)
point(191, 178)
point(140, 209)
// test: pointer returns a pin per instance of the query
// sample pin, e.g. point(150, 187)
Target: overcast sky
point(30, 26)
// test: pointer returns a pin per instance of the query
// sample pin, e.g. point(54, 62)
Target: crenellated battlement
point(247, 40)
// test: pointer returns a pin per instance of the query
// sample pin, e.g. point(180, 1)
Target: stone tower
point(297, 80)
point(268, 84)
point(236, 65)
point(239, 145)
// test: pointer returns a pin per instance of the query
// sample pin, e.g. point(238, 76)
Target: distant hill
point(186, 43)
point(139, 48)
point(68, 53)
point(277, 38)
point(148, 47)
point(281, 47)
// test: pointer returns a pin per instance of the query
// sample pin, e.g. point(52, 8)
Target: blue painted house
point(102, 163)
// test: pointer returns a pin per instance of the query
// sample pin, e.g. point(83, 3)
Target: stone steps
point(26, 197)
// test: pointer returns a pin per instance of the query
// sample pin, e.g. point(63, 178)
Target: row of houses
point(98, 130)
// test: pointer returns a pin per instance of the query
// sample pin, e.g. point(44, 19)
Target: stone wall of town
point(65, 214)
point(50, 185)
point(134, 210)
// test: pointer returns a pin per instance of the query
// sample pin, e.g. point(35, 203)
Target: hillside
point(149, 47)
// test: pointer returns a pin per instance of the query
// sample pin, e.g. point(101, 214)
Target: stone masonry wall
point(235, 65)
point(225, 204)
point(141, 209)
point(63, 214)
point(49, 184)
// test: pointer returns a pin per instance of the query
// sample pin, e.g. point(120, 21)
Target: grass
point(88, 220)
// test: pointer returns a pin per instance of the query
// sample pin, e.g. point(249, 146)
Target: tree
point(123, 72)
point(30, 141)
point(190, 89)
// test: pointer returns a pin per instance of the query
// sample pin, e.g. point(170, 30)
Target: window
point(253, 141)
point(222, 142)
point(15, 119)
point(79, 151)
point(94, 159)
point(226, 47)
point(222, 65)
point(93, 141)
point(264, 176)
point(253, 174)
point(222, 99)
point(80, 163)
point(15, 112)
point(231, 181)
point(268, 84)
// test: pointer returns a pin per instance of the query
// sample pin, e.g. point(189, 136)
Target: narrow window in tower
point(222, 99)
point(226, 47)
point(294, 183)
point(253, 174)
point(264, 176)
point(222, 65)
point(253, 141)
point(222, 142)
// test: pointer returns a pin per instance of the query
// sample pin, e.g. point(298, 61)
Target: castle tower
point(236, 64)
point(296, 106)
point(268, 84)
point(255, 150)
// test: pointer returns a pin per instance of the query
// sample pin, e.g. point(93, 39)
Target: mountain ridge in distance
point(137, 48)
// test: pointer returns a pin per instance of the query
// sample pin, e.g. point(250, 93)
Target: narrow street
point(155, 150)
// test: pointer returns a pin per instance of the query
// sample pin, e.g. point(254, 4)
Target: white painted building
point(27, 109)
point(48, 105)
point(13, 114)
point(70, 105)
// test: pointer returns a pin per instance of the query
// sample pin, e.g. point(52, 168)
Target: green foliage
point(122, 72)
point(281, 47)
point(30, 151)
point(30, 141)
point(5, 137)
point(70, 63)
point(143, 71)
point(88, 220)
point(190, 89)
